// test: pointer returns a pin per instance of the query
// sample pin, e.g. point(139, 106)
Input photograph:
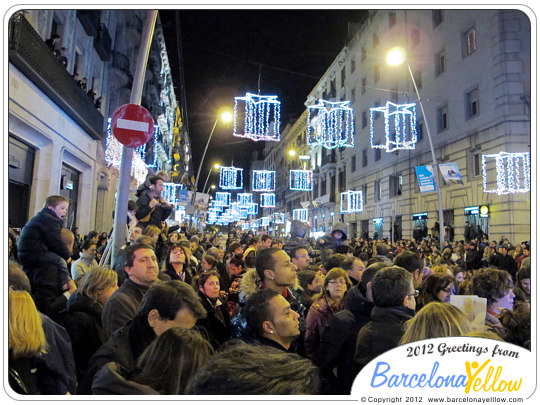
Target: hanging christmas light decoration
point(261, 117)
point(330, 124)
point(138, 169)
point(301, 180)
point(513, 172)
point(252, 209)
point(231, 178)
point(352, 201)
point(399, 126)
point(301, 214)
point(264, 180)
point(244, 199)
point(222, 199)
point(268, 200)
point(170, 192)
point(245, 226)
point(265, 221)
point(278, 218)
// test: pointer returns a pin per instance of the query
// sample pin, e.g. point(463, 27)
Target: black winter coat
point(47, 291)
point(83, 323)
point(338, 344)
point(161, 212)
point(382, 333)
point(41, 235)
point(218, 331)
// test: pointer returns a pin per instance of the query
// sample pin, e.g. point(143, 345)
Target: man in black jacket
point(151, 208)
point(165, 305)
point(338, 342)
point(394, 299)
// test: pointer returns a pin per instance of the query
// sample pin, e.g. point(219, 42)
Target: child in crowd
point(41, 239)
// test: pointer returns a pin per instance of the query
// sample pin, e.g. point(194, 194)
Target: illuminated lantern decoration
point(268, 200)
point(352, 201)
point(244, 199)
point(264, 180)
point(301, 180)
point(222, 199)
point(301, 214)
point(330, 124)
point(399, 126)
point(261, 117)
point(513, 172)
point(278, 218)
point(231, 178)
point(170, 192)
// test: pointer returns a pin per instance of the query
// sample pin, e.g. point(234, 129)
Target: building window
point(364, 119)
point(353, 163)
point(415, 36)
point(353, 65)
point(477, 163)
point(377, 154)
point(395, 184)
point(394, 96)
point(343, 76)
point(442, 118)
point(469, 42)
point(363, 86)
point(437, 16)
point(364, 157)
point(440, 63)
point(375, 39)
point(362, 54)
point(391, 19)
point(417, 74)
point(353, 95)
point(333, 88)
point(376, 73)
point(419, 131)
point(472, 103)
point(377, 189)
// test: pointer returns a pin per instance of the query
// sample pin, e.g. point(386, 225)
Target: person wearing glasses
point(394, 298)
point(330, 301)
point(437, 287)
point(300, 258)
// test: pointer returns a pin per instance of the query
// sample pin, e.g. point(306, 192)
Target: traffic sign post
point(132, 125)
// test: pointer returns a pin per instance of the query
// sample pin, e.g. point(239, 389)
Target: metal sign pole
point(122, 195)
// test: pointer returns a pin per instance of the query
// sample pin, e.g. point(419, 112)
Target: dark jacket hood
point(340, 226)
point(299, 229)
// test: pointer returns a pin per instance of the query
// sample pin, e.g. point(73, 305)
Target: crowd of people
point(183, 312)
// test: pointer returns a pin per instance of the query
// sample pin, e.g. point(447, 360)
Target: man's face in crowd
point(135, 233)
point(301, 259)
point(284, 270)
point(267, 243)
point(357, 270)
point(284, 319)
point(145, 267)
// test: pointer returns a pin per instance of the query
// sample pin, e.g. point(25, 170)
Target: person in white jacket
point(86, 262)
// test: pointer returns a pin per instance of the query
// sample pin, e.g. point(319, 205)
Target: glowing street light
point(395, 57)
point(216, 166)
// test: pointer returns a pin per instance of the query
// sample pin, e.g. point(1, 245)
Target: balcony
point(329, 161)
point(90, 21)
point(29, 54)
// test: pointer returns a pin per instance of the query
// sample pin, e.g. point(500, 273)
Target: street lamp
point(216, 166)
point(397, 56)
point(225, 117)
point(213, 186)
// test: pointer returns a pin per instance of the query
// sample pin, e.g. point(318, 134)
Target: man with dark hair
point(411, 262)
point(142, 270)
point(299, 232)
point(354, 268)
point(502, 260)
point(251, 252)
point(273, 270)
point(266, 241)
point(151, 208)
point(164, 306)
point(338, 342)
point(382, 253)
point(331, 261)
point(394, 298)
point(271, 319)
point(300, 258)
point(242, 369)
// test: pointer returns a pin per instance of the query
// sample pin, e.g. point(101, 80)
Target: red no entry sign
point(132, 125)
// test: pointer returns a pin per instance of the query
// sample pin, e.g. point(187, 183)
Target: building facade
point(58, 132)
point(472, 71)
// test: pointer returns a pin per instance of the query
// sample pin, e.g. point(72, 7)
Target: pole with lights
point(395, 57)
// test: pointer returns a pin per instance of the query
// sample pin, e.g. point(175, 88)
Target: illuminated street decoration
point(268, 200)
point(231, 178)
point(138, 169)
point(244, 199)
point(261, 117)
point(399, 126)
point(245, 226)
point(264, 180)
point(352, 201)
point(278, 218)
point(301, 214)
point(170, 192)
point(513, 172)
point(222, 199)
point(301, 180)
point(265, 221)
point(330, 124)
point(252, 209)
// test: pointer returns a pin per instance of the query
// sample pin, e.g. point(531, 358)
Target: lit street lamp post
point(395, 57)
point(215, 167)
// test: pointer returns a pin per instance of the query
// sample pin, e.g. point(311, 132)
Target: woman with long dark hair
point(176, 264)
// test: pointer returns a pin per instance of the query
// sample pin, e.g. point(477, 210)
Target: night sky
point(227, 53)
